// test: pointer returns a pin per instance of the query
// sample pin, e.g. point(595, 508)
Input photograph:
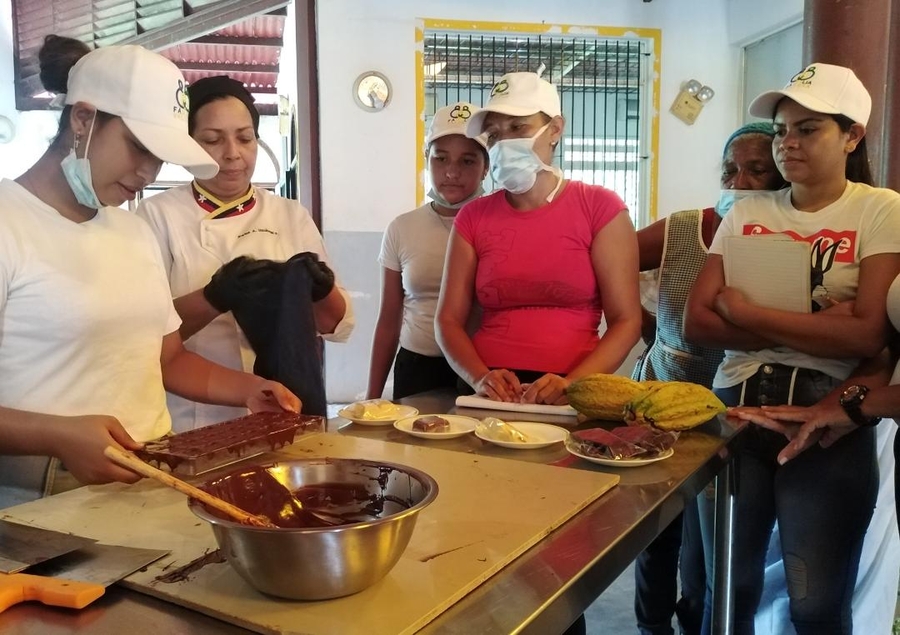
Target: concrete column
point(309, 156)
point(890, 174)
point(854, 33)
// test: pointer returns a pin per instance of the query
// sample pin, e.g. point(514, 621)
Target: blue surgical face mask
point(727, 199)
point(78, 173)
point(515, 165)
point(440, 200)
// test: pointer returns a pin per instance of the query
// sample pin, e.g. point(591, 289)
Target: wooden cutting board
point(488, 512)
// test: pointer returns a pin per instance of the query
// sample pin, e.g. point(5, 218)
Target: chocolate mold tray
point(211, 447)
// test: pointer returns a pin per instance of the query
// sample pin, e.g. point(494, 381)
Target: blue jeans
point(823, 501)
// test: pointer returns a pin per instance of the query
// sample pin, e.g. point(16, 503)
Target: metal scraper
point(75, 579)
point(22, 545)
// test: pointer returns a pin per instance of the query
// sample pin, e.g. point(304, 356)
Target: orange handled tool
point(22, 587)
point(75, 579)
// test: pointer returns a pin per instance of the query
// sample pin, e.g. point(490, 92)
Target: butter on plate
point(498, 430)
point(373, 409)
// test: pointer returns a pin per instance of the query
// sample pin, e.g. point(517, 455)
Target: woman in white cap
point(677, 247)
point(88, 333)
point(822, 501)
point(412, 260)
point(545, 258)
point(217, 223)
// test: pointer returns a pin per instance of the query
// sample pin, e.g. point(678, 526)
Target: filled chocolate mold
point(204, 449)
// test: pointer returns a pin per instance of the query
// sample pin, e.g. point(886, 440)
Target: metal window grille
point(602, 85)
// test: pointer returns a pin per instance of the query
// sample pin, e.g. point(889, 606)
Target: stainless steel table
point(543, 591)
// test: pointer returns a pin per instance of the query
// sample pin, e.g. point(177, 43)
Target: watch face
point(851, 401)
point(851, 394)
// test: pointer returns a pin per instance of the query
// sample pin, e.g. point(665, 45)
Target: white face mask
point(78, 173)
point(440, 200)
point(727, 199)
point(515, 164)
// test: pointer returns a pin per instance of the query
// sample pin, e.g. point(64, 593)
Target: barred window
point(603, 87)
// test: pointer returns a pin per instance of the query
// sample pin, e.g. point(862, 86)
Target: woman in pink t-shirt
point(538, 255)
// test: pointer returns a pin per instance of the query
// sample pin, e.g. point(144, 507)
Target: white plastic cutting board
point(488, 512)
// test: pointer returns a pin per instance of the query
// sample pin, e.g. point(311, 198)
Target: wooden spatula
point(284, 506)
point(129, 460)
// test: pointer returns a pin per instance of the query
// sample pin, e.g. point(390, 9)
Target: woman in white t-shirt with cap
point(88, 333)
point(412, 260)
point(546, 258)
point(822, 501)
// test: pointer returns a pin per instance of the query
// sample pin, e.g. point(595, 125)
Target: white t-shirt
point(194, 246)
point(863, 222)
point(84, 308)
point(83, 311)
point(415, 244)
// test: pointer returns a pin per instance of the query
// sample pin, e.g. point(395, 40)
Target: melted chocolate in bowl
point(377, 504)
point(367, 494)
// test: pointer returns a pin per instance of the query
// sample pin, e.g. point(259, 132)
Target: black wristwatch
point(851, 401)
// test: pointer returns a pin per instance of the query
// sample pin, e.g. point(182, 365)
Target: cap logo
point(460, 114)
point(182, 103)
point(805, 76)
point(500, 88)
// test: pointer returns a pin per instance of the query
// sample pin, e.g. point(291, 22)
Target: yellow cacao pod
point(674, 405)
point(602, 396)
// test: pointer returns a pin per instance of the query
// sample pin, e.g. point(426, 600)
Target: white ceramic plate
point(402, 412)
point(459, 426)
point(622, 462)
point(541, 435)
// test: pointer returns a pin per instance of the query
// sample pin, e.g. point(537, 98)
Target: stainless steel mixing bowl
point(318, 563)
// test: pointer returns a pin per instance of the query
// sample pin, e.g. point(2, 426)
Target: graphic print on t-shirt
point(826, 247)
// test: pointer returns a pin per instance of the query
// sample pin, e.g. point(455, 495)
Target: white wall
point(33, 130)
point(750, 20)
point(373, 151)
point(369, 163)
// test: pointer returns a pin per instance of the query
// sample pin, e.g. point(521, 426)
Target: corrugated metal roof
point(248, 50)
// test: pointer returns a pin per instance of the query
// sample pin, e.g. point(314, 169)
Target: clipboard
point(771, 270)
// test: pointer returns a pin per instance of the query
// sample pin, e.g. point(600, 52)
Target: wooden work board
point(488, 512)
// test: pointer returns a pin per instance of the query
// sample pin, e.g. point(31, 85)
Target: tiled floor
point(613, 612)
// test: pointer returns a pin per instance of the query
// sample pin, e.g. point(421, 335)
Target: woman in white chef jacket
point(208, 222)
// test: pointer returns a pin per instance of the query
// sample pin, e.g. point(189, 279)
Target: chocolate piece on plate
point(600, 443)
point(431, 423)
point(653, 440)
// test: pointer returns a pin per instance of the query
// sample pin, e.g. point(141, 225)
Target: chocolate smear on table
point(182, 574)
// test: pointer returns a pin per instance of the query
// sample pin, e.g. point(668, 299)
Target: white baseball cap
point(825, 88)
point(149, 93)
point(453, 119)
point(518, 95)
